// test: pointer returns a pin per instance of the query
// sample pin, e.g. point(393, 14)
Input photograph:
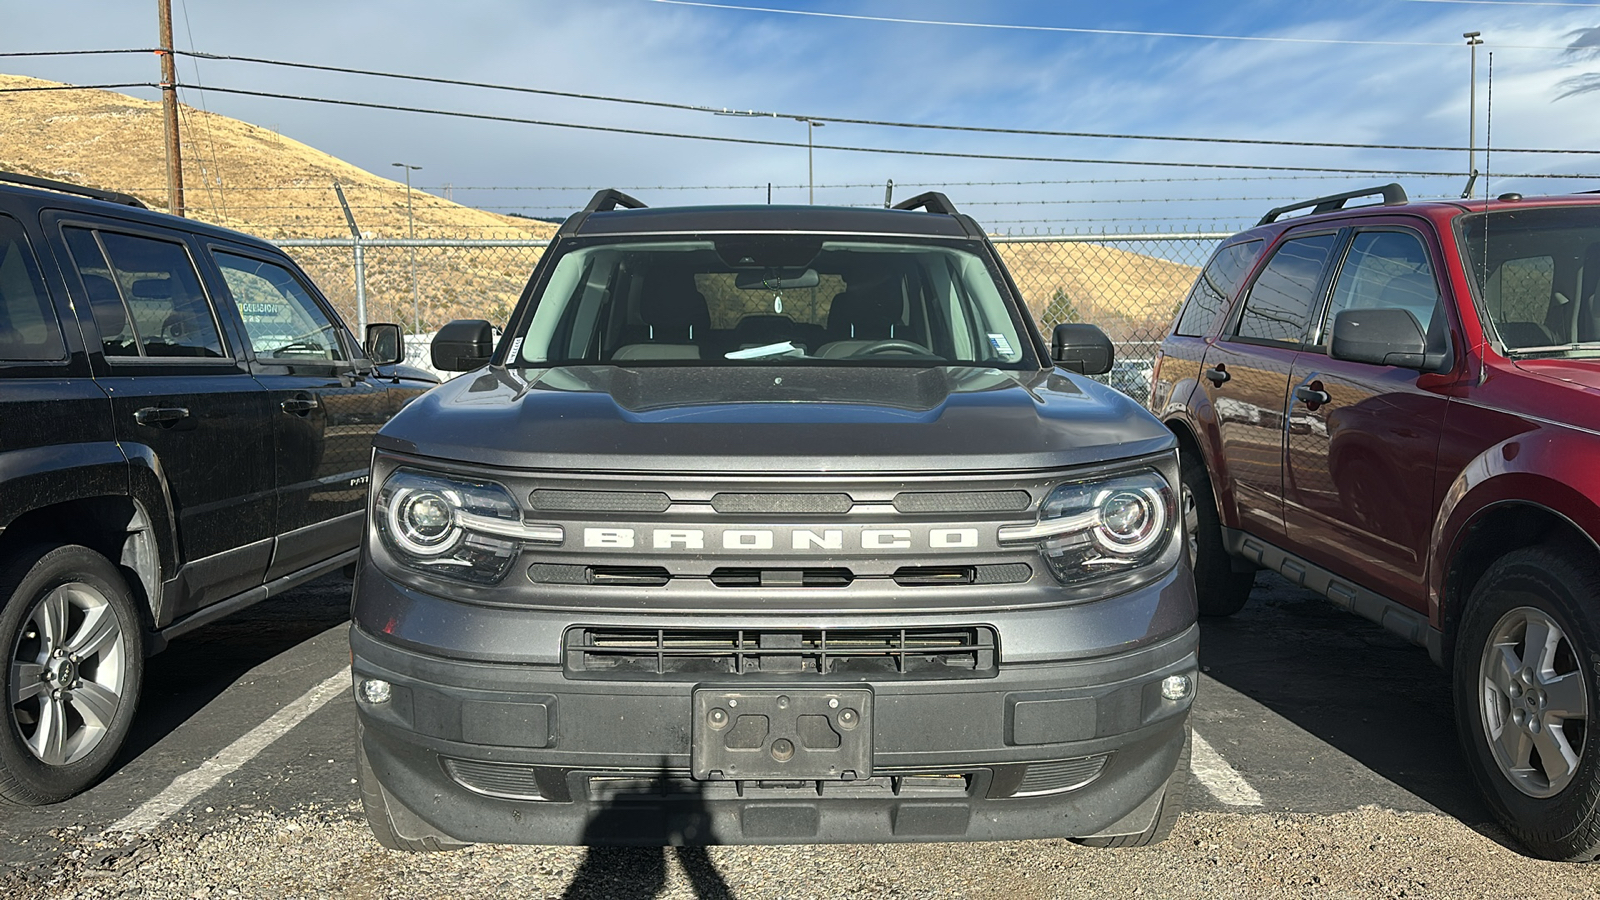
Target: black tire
point(393, 826)
point(59, 740)
point(1219, 590)
point(1166, 814)
point(1552, 809)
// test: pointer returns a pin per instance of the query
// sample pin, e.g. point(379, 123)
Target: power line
point(77, 87)
point(881, 123)
point(941, 154)
point(1062, 29)
point(72, 52)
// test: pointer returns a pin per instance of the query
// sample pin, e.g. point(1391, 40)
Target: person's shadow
point(628, 839)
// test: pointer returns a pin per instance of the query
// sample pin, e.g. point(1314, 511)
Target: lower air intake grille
point(965, 652)
point(509, 780)
point(1060, 777)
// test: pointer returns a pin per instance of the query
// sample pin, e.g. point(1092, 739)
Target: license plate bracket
point(782, 734)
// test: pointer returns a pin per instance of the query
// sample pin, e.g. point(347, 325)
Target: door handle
point(298, 406)
point(160, 415)
point(1217, 374)
point(1311, 396)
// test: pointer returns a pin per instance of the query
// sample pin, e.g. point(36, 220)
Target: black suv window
point(281, 318)
point(1384, 270)
point(1281, 299)
point(147, 299)
point(1215, 287)
point(28, 326)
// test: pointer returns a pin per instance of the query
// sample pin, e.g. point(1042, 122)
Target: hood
point(763, 419)
point(1583, 373)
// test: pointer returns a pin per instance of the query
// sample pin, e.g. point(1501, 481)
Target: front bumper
point(515, 752)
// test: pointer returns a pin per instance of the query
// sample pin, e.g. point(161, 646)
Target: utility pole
point(411, 231)
point(169, 110)
point(811, 172)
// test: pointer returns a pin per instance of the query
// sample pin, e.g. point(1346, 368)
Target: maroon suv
point(1398, 406)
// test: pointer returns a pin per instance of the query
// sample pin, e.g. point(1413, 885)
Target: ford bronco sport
point(772, 524)
point(188, 427)
point(1398, 405)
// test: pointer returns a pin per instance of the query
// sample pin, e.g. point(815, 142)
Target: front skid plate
point(799, 734)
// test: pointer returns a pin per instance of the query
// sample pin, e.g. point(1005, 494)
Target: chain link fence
point(1129, 285)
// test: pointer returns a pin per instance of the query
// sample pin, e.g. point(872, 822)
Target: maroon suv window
point(1215, 287)
point(1280, 301)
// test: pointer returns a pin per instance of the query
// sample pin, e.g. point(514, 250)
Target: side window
point(1280, 301)
point(28, 326)
point(280, 316)
point(1215, 287)
point(145, 295)
point(1384, 270)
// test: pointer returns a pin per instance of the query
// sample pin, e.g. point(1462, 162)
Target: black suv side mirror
point(1383, 337)
point(462, 345)
point(1084, 349)
point(384, 346)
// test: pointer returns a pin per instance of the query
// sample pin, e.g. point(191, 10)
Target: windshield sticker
point(516, 345)
point(1001, 345)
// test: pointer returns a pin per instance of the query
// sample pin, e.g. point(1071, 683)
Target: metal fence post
point(359, 263)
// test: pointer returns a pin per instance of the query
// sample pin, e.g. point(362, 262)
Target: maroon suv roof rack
point(1393, 195)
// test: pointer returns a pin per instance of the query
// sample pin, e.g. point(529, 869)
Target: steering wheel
point(301, 348)
point(892, 345)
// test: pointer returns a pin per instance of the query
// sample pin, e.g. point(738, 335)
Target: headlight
point(453, 528)
point(1089, 530)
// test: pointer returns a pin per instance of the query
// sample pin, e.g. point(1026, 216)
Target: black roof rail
point(611, 198)
point(932, 201)
point(69, 188)
point(1393, 195)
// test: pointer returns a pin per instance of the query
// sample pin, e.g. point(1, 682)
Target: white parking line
point(1219, 778)
point(193, 783)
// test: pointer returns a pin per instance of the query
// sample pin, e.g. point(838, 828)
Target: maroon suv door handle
point(162, 416)
point(1217, 374)
point(1312, 396)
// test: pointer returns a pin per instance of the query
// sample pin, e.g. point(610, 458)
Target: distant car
point(1398, 405)
point(188, 430)
point(1131, 376)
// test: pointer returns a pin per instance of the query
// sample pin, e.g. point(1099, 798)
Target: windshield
point(772, 300)
point(1536, 270)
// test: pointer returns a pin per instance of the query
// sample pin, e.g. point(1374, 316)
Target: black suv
point(770, 525)
point(188, 431)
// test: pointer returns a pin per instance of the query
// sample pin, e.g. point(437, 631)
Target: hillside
point(258, 181)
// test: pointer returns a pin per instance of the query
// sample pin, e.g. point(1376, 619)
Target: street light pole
point(1473, 40)
point(811, 171)
point(411, 232)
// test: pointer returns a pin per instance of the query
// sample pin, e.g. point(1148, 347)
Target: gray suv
point(772, 525)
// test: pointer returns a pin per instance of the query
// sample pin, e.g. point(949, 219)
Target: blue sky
point(1289, 88)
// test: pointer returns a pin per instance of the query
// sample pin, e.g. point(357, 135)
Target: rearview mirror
point(777, 279)
point(1382, 337)
point(384, 346)
point(1081, 348)
point(462, 345)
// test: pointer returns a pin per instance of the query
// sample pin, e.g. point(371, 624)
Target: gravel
point(327, 852)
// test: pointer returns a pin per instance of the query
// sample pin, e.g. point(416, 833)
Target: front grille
point(648, 788)
point(782, 578)
point(962, 501)
point(1060, 777)
point(964, 652)
point(549, 500)
point(801, 504)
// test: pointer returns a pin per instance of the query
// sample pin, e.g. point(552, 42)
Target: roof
point(43, 198)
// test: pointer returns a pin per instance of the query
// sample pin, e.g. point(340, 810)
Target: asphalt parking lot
point(1325, 763)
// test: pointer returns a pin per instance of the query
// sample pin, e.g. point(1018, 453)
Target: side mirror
point(384, 344)
point(462, 345)
point(1084, 349)
point(1382, 337)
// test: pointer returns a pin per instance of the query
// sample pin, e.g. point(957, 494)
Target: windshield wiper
point(1550, 349)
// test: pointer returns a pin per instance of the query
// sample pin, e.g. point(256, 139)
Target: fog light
point(376, 690)
point(1173, 687)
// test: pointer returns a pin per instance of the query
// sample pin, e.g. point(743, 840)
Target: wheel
point(1219, 590)
point(1166, 813)
point(390, 821)
point(75, 645)
point(1526, 689)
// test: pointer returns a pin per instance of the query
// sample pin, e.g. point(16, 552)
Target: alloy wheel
point(68, 666)
point(1534, 702)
